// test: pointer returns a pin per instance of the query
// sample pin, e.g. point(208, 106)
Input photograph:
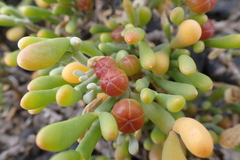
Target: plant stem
point(106, 105)
point(82, 87)
point(88, 143)
point(78, 56)
point(216, 128)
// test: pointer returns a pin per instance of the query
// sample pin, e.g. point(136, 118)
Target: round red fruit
point(116, 34)
point(103, 64)
point(85, 5)
point(201, 6)
point(129, 115)
point(208, 30)
point(114, 82)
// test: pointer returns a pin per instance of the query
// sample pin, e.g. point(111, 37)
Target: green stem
point(157, 114)
point(216, 128)
point(160, 47)
point(142, 83)
point(188, 91)
point(78, 56)
point(53, 20)
point(106, 105)
point(178, 76)
point(82, 87)
point(88, 143)
point(30, 25)
point(217, 94)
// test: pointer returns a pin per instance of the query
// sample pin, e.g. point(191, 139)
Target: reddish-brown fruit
point(225, 123)
point(130, 65)
point(201, 6)
point(114, 82)
point(104, 64)
point(85, 5)
point(129, 115)
point(191, 110)
point(116, 34)
point(208, 30)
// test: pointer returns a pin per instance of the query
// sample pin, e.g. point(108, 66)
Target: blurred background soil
point(18, 128)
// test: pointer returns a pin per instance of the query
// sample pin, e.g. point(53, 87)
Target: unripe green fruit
point(111, 24)
point(36, 99)
point(144, 15)
point(56, 71)
point(71, 26)
point(60, 9)
point(147, 56)
point(61, 135)
point(154, 3)
point(163, 61)
point(128, 8)
point(108, 125)
point(90, 49)
point(200, 18)
point(147, 95)
point(42, 54)
point(200, 81)
point(46, 82)
point(46, 33)
point(214, 136)
point(36, 111)
point(106, 37)
point(25, 41)
point(67, 95)
point(227, 42)
point(175, 54)
point(34, 11)
point(99, 28)
point(174, 103)
point(69, 154)
point(157, 135)
point(148, 144)
point(177, 15)
point(158, 115)
point(188, 91)
point(187, 65)
point(10, 10)
point(7, 21)
point(198, 47)
point(142, 83)
point(121, 152)
point(109, 47)
point(10, 59)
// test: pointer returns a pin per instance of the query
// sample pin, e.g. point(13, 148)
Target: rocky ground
point(18, 127)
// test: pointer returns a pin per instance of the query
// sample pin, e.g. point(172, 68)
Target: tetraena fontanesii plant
point(128, 84)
